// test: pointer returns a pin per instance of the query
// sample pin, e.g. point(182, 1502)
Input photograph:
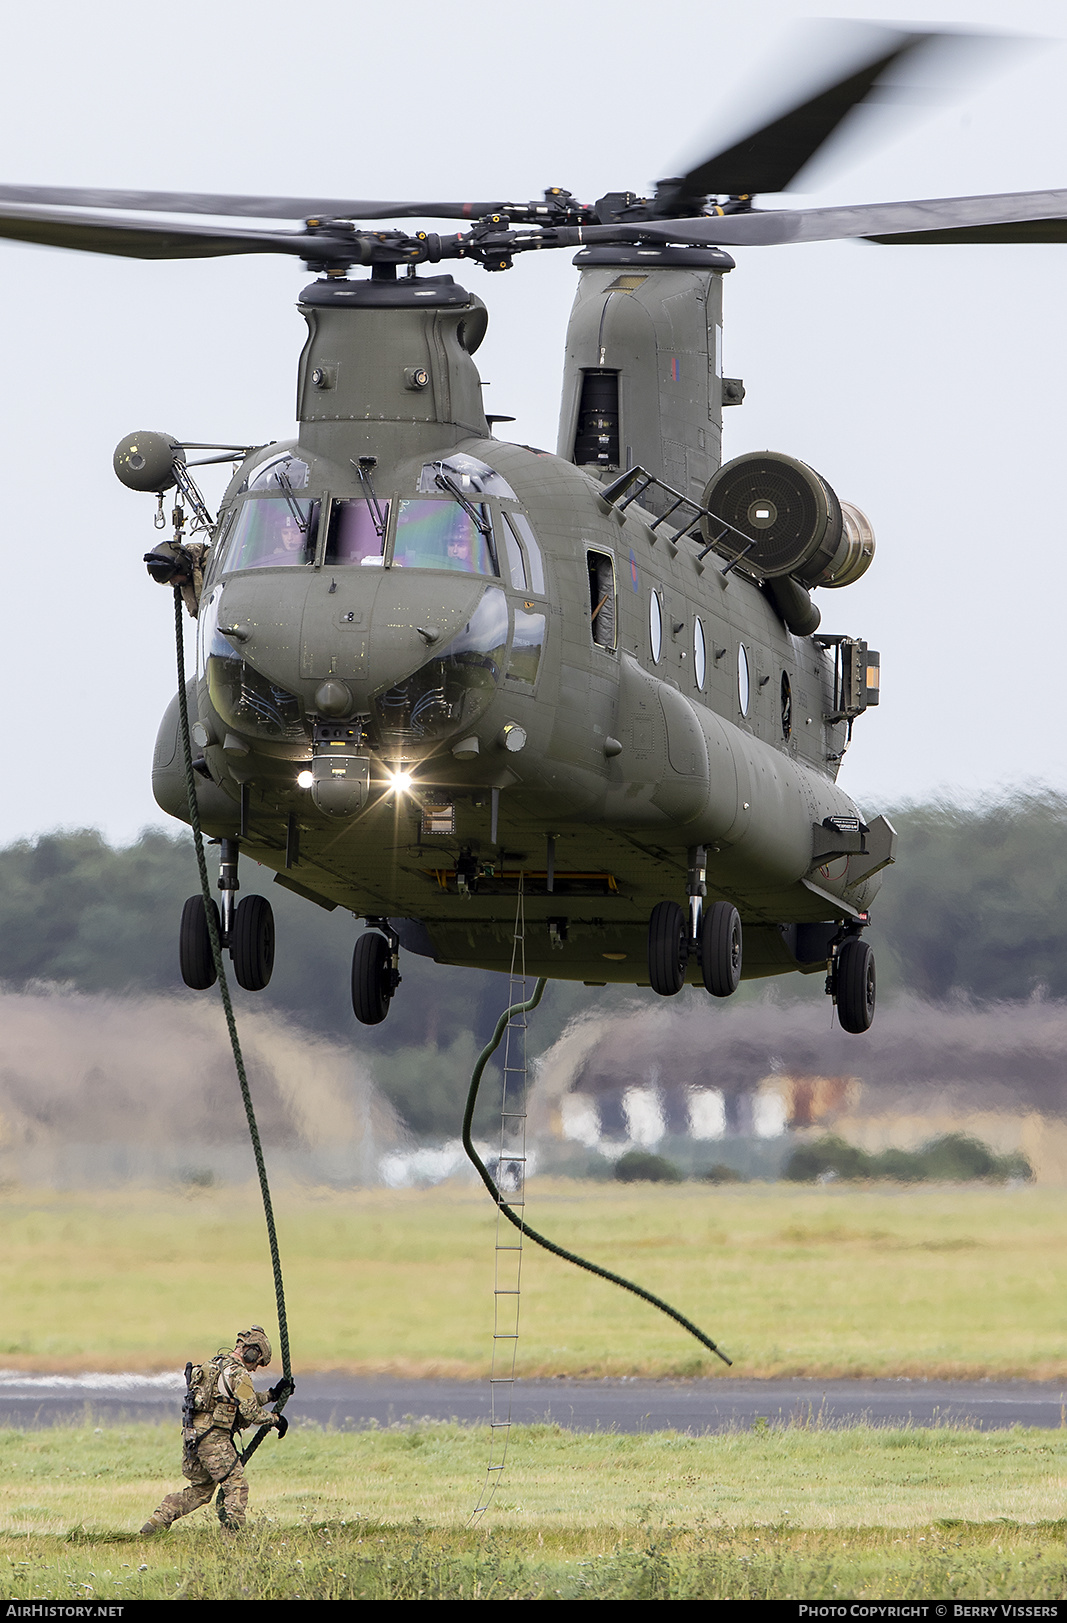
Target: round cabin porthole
point(655, 625)
point(700, 654)
point(742, 679)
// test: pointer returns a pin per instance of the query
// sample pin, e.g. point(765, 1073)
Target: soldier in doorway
point(220, 1401)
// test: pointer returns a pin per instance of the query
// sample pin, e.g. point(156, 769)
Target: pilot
point(288, 538)
point(460, 555)
point(220, 1401)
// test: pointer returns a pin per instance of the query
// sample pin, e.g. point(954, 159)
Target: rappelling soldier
point(220, 1401)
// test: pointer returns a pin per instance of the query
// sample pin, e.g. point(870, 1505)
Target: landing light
point(305, 779)
point(400, 782)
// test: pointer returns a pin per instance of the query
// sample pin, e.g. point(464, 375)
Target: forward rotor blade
point(1047, 228)
point(771, 157)
point(150, 239)
point(258, 208)
point(1006, 217)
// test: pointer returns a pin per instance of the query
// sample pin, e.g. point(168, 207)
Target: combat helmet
point(256, 1337)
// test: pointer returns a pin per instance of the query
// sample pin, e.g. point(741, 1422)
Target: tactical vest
point(204, 1407)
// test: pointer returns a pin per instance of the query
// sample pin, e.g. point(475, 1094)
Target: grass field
point(818, 1281)
point(815, 1281)
point(784, 1512)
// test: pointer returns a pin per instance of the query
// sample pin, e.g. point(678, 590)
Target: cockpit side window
point(441, 535)
point(354, 536)
point(535, 569)
point(526, 647)
point(272, 532)
point(218, 550)
point(516, 563)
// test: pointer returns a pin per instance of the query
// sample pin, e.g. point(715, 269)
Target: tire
point(252, 943)
point(372, 979)
point(854, 986)
point(720, 949)
point(195, 958)
point(668, 948)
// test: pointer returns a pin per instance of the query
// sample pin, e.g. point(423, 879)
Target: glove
point(284, 1389)
point(282, 1425)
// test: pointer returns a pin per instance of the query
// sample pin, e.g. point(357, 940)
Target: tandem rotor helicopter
point(434, 667)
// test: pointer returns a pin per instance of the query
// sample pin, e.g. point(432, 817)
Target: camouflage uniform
point(209, 1454)
point(192, 589)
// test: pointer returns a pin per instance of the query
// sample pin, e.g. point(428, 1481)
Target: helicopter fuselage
point(434, 667)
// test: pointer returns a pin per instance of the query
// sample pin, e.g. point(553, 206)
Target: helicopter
point(437, 671)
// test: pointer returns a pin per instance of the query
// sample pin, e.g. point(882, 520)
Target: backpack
point(202, 1397)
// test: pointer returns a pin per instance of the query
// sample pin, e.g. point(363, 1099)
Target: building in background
point(743, 1086)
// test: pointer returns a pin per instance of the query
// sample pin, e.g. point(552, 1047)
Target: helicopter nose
point(369, 636)
point(337, 638)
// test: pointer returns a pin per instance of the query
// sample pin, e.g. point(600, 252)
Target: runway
point(353, 1403)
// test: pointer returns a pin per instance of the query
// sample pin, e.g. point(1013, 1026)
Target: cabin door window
point(601, 570)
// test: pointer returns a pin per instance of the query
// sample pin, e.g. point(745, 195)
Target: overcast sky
point(925, 383)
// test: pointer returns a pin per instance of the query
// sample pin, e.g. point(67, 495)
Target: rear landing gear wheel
point(373, 982)
point(854, 986)
point(720, 949)
point(668, 948)
point(252, 943)
point(195, 957)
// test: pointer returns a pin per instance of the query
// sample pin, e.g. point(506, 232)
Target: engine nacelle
point(780, 517)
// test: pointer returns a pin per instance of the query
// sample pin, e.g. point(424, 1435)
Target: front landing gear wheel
point(195, 957)
point(854, 986)
point(668, 948)
point(252, 943)
point(373, 982)
point(720, 949)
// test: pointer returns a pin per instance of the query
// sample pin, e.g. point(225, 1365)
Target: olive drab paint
point(542, 732)
point(434, 667)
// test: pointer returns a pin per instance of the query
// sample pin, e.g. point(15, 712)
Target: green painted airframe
point(436, 669)
point(584, 702)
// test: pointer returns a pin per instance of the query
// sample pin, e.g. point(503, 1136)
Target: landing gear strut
point(375, 972)
point(247, 929)
point(712, 934)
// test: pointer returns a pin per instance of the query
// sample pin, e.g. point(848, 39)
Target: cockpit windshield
point(357, 532)
point(272, 532)
point(443, 535)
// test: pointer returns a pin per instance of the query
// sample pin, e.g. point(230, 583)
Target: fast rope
point(520, 1222)
point(287, 1384)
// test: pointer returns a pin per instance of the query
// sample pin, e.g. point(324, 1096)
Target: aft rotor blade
point(151, 239)
point(771, 157)
point(249, 207)
point(1005, 217)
